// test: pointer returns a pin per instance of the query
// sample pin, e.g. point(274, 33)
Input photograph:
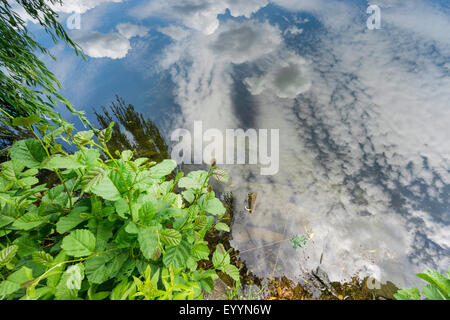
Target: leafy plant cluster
point(114, 227)
point(438, 287)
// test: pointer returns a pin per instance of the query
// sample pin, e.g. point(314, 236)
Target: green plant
point(437, 289)
point(114, 227)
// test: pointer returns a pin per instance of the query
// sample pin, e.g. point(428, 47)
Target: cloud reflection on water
point(364, 149)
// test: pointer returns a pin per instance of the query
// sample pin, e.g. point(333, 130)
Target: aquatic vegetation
point(113, 227)
point(299, 241)
point(438, 287)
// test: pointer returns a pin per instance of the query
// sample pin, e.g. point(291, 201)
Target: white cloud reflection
point(364, 133)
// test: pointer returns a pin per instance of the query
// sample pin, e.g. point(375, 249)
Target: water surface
point(363, 115)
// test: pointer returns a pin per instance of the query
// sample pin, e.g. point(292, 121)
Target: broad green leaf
point(201, 251)
point(177, 256)
point(220, 257)
point(215, 207)
point(57, 161)
point(188, 195)
point(200, 222)
point(122, 208)
point(105, 266)
point(29, 221)
point(30, 152)
point(189, 183)
point(27, 245)
point(79, 243)
point(106, 189)
point(15, 281)
point(222, 227)
point(42, 258)
point(232, 271)
point(105, 135)
point(170, 237)
point(82, 138)
point(5, 220)
point(70, 221)
point(7, 254)
point(92, 178)
point(126, 155)
point(148, 241)
point(163, 169)
point(28, 181)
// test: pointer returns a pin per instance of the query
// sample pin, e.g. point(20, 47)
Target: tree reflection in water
point(132, 131)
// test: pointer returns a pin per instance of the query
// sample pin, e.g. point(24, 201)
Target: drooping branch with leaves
point(27, 86)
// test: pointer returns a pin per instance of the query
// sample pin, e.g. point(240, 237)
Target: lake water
point(363, 115)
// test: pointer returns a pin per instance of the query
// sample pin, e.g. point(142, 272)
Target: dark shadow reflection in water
point(132, 131)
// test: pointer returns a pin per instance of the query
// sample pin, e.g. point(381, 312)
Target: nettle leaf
point(82, 138)
point(30, 152)
point(57, 161)
point(222, 227)
point(148, 241)
point(232, 271)
point(92, 178)
point(170, 237)
point(178, 256)
point(201, 250)
point(7, 254)
point(79, 243)
point(42, 258)
point(162, 169)
point(106, 189)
